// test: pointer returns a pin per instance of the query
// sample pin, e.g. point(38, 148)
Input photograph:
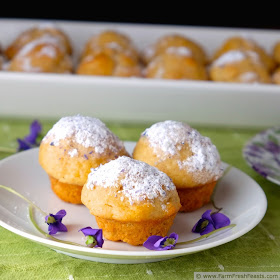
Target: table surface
point(256, 251)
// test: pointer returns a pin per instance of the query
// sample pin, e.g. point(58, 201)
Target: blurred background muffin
point(246, 44)
point(110, 53)
point(239, 66)
point(42, 49)
point(162, 45)
point(40, 31)
point(276, 76)
point(176, 63)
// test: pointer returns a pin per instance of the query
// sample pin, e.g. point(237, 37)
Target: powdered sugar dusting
point(139, 180)
point(49, 51)
point(181, 51)
point(229, 57)
point(249, 77)
point(46, 39)
point(86, 131)
point(170, 137)
point(73, 152)
point(27, 66)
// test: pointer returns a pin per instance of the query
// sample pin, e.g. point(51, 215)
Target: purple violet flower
point(54, 222)
point(159, 243)
point(210, 221)
point(30, 140)
point(94, 237)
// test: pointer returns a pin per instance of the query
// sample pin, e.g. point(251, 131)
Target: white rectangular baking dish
point(139, 99)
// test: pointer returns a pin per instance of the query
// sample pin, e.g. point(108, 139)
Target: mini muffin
point(41, 56)
point(110, 42)
point(175, 40)
point(71, 148)
point(276, 52)
point(35, 33)
point(246, 44)
point(176, 63)
point(131, 200)
point(118, 64)
point(240, 67)
point(188, 158)
point(276, 76)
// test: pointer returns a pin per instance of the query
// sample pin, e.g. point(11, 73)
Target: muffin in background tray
point(239, 66)
point(165, 42)
point(101, 63)
point(44, 30)
point(246, 44)
point(42, 49)
point(176, 63)
point(41, 56)
point(276, 52)
point(110, 42)
point(110, 53)
point(276, 76)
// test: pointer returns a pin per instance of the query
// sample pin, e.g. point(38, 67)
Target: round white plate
point(242, 199)
point(262, 153)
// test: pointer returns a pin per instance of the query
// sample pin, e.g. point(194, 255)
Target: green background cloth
point(256, 251)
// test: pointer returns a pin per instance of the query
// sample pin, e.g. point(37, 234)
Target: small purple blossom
point(30, 140)
point(159, 243)
point(54, 222)
point(210, 221)
point(85, 156)
point(94, 237)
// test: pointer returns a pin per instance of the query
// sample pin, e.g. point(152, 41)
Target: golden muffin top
point(169, 137)
point(86, 131)
point(134, 180)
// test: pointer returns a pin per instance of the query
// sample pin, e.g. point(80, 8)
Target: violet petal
point(35, 130)
point(96, 233)
point(150, 242)
point(61, 227)
point(174, 236)
point(210, 227)
point(59, 215)
point(99, 238)
point(201, 225)
point(220, 220)
point(88, 231)
point(207, 215)
point(52, 229)
point(22, 145)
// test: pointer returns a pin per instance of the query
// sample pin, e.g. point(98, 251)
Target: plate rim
point(264, 131)
point(117, 254)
